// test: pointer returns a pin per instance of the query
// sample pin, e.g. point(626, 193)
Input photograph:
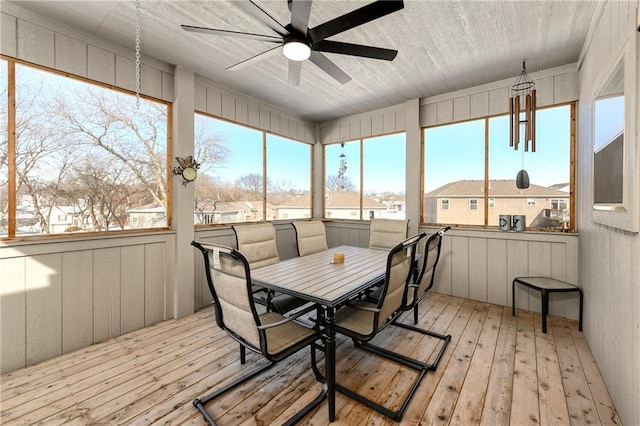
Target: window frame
point(361, 142)
point(264, 170)
point(442, 203)
point(11, 156)
point(571, 204)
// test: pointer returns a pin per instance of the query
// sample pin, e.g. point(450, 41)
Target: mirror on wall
point(608, 149)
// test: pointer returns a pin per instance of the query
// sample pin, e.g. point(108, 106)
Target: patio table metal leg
point(330, 357)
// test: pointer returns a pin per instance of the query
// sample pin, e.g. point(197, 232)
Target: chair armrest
point(301, 311)
point(363, 308)
point(307, 307)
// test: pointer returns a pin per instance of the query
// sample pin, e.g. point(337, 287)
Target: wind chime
point(523, 91)
point(342, 170)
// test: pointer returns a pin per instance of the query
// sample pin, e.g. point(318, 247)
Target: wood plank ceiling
point(443, 46)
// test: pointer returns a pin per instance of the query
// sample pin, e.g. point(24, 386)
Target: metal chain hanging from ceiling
point(138, 54)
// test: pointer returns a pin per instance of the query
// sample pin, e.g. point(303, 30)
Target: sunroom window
point(87, 158)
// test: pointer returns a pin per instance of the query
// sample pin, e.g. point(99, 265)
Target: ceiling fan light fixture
point(296, 50)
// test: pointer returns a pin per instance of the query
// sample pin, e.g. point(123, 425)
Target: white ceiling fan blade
point(295, 68)
point(329, 67)
point(300, 11)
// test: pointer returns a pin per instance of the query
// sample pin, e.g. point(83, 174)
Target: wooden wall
point(216, 100)
point(481, 264)
point(610, 257)
point(554, 86)
point(60, 296)
point(478, 265)
point(373, 123)
point(37, 39)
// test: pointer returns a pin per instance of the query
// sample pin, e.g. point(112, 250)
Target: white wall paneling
point(218, 101)
point(65, 295)
point(481, 264)
point(372, 123)
point(554, 86)
point(77, 300)
point(13, 308)
point(132, 287)
point(609, 257)
point(34, 38)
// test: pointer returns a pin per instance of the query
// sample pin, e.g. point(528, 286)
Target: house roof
point(232, 206)
point(497, 189)
point(336, 200)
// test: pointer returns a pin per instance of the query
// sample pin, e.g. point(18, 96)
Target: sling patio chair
point(422, 282)
point(362, 320)
point(427, 271)
point(384, 234)
point(418, 290)
point(270, 334)
point(311, 238)
point(257, 242)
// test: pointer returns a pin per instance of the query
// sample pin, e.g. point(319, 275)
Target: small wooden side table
point(545, 286)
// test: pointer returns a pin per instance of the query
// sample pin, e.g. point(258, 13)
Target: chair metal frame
point(362, 341)
point(273, 358)
point(434, 239)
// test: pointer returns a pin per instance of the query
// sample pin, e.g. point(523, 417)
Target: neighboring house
point(395, 203)
point(150, 216)
point(296, 208)
point(233, 212)
point(462, 202)
point(337, 205)
point(65, 219)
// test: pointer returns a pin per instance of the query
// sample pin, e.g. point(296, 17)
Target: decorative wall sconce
point(187, 168)
point(524, 89)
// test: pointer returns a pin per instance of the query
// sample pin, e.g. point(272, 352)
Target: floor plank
point(497, 369)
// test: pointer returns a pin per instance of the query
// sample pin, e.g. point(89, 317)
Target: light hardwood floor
point(497, 370)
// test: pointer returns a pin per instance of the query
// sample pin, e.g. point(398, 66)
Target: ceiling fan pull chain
point(138, 54)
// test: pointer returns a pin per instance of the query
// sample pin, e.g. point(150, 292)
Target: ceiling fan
point(300, 43)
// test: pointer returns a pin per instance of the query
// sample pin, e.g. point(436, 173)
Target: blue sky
point(609, 120)
point(455, 152)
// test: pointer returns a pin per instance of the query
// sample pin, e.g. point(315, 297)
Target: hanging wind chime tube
point(523, 87)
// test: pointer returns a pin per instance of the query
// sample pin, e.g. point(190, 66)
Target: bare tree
point(102, 193)
point(208, 144)
point(135, 138)
point(281, 191)
point(337, 183)
point(91, 148)
point(42, 153)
